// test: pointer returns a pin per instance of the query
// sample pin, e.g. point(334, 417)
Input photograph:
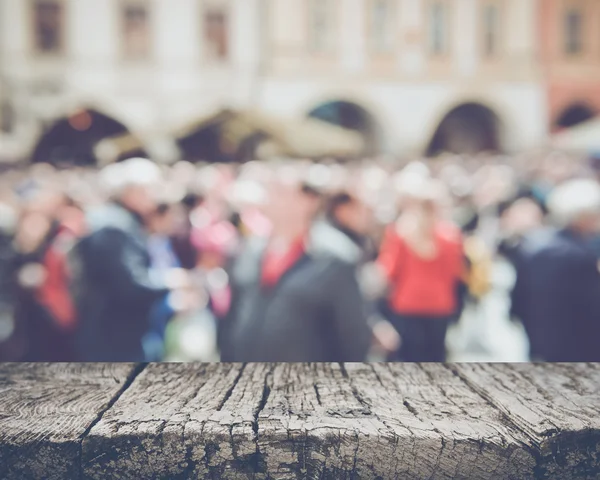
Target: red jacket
point(54, 293)
point(422, 286)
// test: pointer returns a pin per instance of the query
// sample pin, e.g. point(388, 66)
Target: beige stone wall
point(288, 29)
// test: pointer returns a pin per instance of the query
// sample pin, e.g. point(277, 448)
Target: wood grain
point(302, 421)
point(46, 409)
point(557, 406)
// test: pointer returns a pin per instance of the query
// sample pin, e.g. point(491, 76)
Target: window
point(320, 16)
point(48, 26)
point(7, 118)
point(216, 34)
point(438, 30)
point(136, 31)
point(573, 31)
point(381, 31)
point(491, 30)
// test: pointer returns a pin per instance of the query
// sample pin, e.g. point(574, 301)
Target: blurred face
point(588, 224)
point(73, 218)
point(523, 216)
point(288, 208)
point(139, 199)
point(356, 216)
point(211, 259)
point(164, 223)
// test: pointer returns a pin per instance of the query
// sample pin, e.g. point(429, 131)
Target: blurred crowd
point(294, 260)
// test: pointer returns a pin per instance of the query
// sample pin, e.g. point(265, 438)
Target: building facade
point(414, 76)
point(141, 63)
point(570, 53)
point(429, 74)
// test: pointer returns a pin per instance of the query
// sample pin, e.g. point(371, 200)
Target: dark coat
point(112, 288)
point(314, 314)
point(14, 347)
point(557, 296)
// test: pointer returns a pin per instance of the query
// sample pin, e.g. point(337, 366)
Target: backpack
point(479, 257)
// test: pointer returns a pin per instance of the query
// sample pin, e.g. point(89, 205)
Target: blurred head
point(522, 216)
point(423, 195)
point(350, 213)
point(576, 205)
point(132, 183)
point(71, 215)
point(215, 243)
point(291, 204)
point(163, 221)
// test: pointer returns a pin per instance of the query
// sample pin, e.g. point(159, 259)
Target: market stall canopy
point(311, 138)
point(238, 134)
point(584, 137)
point(119, 148)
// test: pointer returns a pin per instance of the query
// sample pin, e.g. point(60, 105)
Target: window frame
point(391, 26)
point(61, 52)
point(500, 33)
point(331, 44)
point(220, 8)
point(567, 10)
point(429, 29)
point(122, 10)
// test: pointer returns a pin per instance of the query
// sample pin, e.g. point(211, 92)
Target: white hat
point(574, 199)
point(117, 177)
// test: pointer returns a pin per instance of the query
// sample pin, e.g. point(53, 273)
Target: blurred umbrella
point(584, 137)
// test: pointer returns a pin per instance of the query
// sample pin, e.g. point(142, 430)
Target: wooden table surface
point(292, 421)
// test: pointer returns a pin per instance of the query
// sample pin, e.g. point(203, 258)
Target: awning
point(192, 128)
point(300, 138)
point(584, 137)
point(118, 148)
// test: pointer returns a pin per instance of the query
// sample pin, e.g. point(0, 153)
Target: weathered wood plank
point(556, 405)
point(324, 421)
point(45, 410)
point(178, 420)
point(384, 421)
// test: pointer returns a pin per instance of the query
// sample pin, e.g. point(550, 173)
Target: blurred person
point(113, 287)
point(50, 225)
point(348, 223)
point(517, 219)
point(12, 345)
point(593, 163)
point(216, 245)
point(294, 299)
point(182, 236)
point(161, 224)
point(557, 291)
point(421, 258)
point(352, 218)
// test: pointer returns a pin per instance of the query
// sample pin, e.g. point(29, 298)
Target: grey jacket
point(314, 314)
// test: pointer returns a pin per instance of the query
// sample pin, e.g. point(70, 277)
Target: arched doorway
point(70, 141)
point(353, 117)
point(574, 115)
point(469, 128)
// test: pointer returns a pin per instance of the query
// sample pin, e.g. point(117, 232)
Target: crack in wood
point(230, 390)
point(137, 369)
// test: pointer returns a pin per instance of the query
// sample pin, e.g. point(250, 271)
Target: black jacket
point(314, 314)
point(557, 296)
point(112, 288)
